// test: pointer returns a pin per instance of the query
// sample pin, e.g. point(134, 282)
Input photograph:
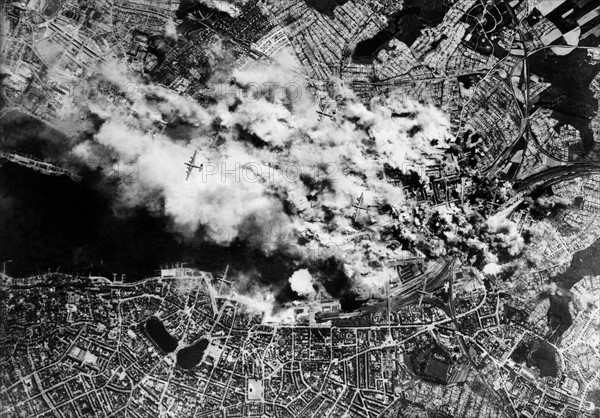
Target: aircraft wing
point(190, 166)
point(358, 206)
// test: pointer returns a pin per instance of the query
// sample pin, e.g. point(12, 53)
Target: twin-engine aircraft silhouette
point(191, 166)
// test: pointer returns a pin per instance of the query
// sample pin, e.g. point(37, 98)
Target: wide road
point(463, 345)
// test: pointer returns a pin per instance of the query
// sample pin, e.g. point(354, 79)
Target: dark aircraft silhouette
point(191, 166)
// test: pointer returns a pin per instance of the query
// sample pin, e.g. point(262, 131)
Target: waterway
point(559, 317)
point(189, 357)
point(539, 354)
point(585, 263)
point(543, 357)
point(325, 7)
point(159, 334)
point(51, 223)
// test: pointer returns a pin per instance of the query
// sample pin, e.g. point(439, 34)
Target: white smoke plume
point(298, 175)
point(302, 283)
point(263, 304)
point(492, 268)
point(171, 30)
point(232, 8)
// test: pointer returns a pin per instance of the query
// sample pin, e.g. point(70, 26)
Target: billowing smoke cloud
point(263, 303)
point(492, 268)
point(271, 165)
point(171, 30)
point(302, 283)
point(231, 7)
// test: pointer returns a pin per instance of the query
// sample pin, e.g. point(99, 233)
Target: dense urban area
point(448, 185)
